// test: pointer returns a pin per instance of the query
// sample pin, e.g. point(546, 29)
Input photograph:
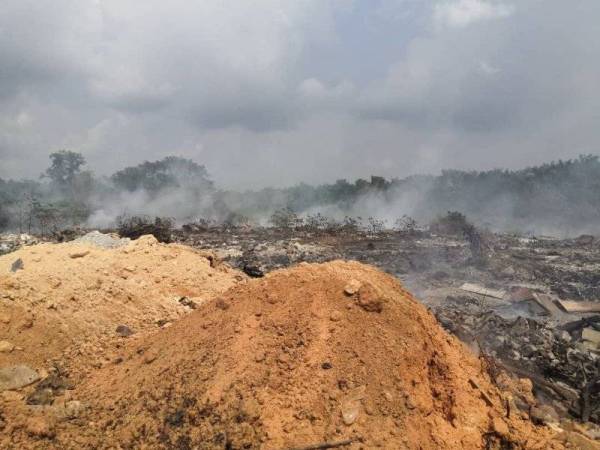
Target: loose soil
point(63, 303)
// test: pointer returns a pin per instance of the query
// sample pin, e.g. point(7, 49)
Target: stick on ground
point(323, 445)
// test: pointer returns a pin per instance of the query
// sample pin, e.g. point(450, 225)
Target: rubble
point(477, 289)
point(102, 240)
point(11, 242)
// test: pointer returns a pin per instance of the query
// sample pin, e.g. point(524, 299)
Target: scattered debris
point(102, 240)
point(580, 307)
point(477, 289)
point(15, 377)
point(17, 265)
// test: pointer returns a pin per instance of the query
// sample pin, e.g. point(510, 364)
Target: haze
point(271, 93)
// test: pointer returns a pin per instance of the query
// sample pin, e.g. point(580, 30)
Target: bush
point(286, 219)
point(135, 226)
point(453, 223)
point(406, 225)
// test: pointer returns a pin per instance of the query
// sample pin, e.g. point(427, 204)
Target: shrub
point(135, 226)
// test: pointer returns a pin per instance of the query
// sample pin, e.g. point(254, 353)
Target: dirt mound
point(333, 353)
point(61, 303)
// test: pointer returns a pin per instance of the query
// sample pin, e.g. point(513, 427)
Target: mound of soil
point(62, 303)
point(331, 354)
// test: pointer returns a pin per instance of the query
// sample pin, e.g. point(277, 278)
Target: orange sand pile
point(67, 300)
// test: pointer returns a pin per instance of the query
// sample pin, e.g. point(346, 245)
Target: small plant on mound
point(135, 226)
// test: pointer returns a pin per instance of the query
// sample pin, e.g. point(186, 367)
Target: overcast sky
point(273, 92)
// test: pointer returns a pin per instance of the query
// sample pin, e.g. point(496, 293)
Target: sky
point(274, 92)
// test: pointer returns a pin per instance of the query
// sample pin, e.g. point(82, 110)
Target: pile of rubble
point(11, 242)
point(562, 361)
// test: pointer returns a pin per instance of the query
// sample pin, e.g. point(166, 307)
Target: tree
point(65, 166)
point(169, 172)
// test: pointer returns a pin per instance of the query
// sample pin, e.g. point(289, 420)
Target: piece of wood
point(323, 445)
point(547, 302)
point(486, 398)
point(477, 289)
point(571, 306)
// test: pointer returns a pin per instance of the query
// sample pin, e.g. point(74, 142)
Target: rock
point(103, 240)
point(543, 415)
point(351, 405)
point(253, 271)
point(335, 316)
point(352, 287)
point(499, 426)
point(73, 409)
point(326, 365)
point(150, 358)
point(591, 335)
point(39, 427)
point(41, 397)
point(350, 411)
point(369, 299)
point(185, 301)
point(222, 304)
point(4, 318)
point(16, 377)
point(17, 265)
point(124, 331)
point(79, 254)
point(6, 347)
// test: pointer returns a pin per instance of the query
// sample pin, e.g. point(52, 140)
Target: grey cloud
point(276, 92)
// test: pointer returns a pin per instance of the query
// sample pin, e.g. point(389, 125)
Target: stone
point(17, 265)
point(369, 299)
point(185, 301)
point(590, 335)
point(16, 377)
point(39, 427)
point(335, 316)
point(350, 405)
point(499, 426)
point(41, 397)
point(543, 415)
point(79, 254)
point(352, 287)
point(73, 409)
point(6, 347)
point(124, 331)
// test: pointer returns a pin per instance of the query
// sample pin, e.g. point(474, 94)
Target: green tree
point(64, 167)
point(169, 172)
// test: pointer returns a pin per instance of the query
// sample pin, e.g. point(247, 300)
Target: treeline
point(556, 198)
